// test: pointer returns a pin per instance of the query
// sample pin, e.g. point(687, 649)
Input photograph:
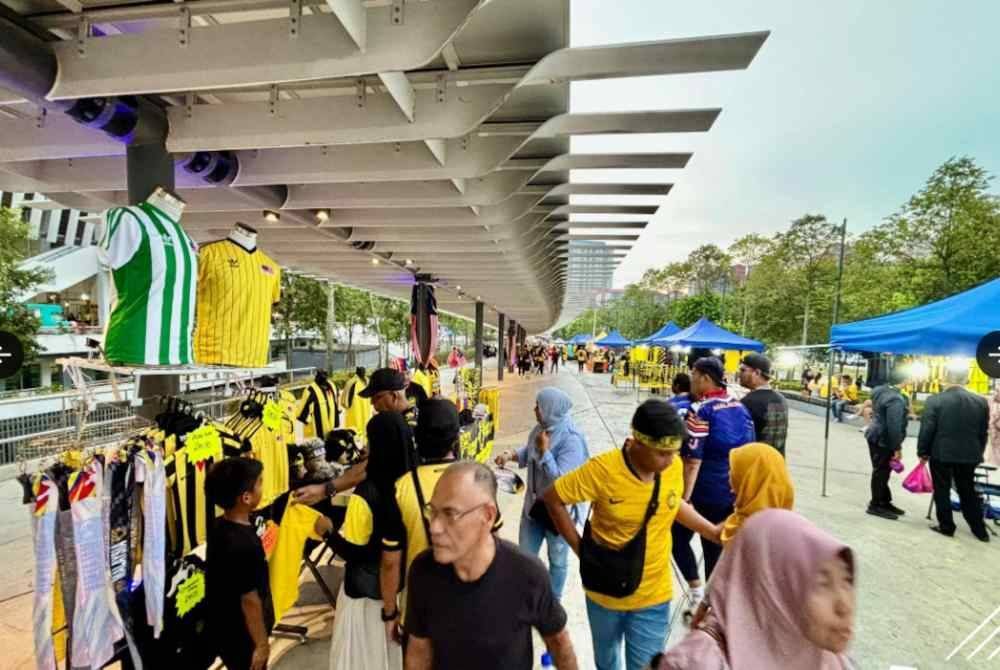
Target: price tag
point(269, 538)
point(272, 415)
point(190, 592)
point(203, 444)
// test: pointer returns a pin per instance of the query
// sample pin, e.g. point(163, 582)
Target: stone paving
point(919, 594)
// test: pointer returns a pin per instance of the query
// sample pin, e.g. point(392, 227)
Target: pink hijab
point(758, 591)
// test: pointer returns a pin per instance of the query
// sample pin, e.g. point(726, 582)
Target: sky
point(846, 111)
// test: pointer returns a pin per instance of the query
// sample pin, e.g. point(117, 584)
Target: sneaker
point(895, 510)
point(881, 512)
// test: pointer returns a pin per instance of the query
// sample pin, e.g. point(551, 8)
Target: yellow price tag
point(190, 592)
point(272, 415)
point(203, 444)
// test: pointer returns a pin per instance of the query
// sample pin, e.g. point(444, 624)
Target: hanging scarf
point(43, 525)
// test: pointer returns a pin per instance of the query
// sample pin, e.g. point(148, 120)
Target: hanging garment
point(154, 494)
point(185, 642)
point(66, 564)
point(318, 409)
point(96, 622)
point(357, 410)
point(296, 524)
point(44, 510)
point(154, 265)
point(119, 481)
point(236, 290)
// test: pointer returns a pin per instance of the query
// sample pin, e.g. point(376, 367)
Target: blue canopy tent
point(703, 334)
point(950, 327)
point(580, 339)
point(614, 340)
point(670, 329)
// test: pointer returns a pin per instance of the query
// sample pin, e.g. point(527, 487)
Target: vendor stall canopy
point(950, 327)
point(613, 339)
point(666, 331)
point(367, 140)
point(703, 334)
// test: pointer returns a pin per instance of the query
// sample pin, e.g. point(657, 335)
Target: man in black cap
point(632, 490)
point(386, 390)
point(767, 407)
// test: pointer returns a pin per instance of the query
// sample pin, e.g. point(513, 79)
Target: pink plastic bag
point(919, 480)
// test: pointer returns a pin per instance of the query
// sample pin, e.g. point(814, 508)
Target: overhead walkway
point(371, 140)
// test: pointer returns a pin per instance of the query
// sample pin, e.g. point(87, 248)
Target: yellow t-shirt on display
point(236, 289)
point(619, 500)
point(298, 524)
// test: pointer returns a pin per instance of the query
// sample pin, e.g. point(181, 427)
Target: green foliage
point(943, 240)
point(16, 285)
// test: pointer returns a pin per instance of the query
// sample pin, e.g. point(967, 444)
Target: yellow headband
point(666, 443)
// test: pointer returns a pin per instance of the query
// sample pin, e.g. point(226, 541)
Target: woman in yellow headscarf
point(759, 477)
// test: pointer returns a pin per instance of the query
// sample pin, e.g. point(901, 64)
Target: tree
point(17, 285)
point(808, 247)
point(352, 309)
point(748, 252)
point(709, 266)
point(947, 236)
point(636, 313)
point(390, 320)
point(302, 308)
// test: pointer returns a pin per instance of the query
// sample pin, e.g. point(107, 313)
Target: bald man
point(473, 598)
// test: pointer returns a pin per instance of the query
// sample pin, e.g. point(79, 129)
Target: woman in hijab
point(358, 641)
point(759, 477)
point(782, 597)
point(993, 456)
point(555, 447)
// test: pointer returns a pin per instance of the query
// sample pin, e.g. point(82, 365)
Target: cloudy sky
point(846, 111)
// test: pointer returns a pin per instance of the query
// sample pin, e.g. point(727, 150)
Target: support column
point(45, 367)
point(501, 346)
point(331, 320)
point(148, 165)
point(479, 339)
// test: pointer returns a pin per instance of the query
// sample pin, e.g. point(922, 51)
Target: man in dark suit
point(953, 432)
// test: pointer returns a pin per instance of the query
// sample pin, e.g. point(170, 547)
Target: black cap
point(384, 379)
point(437, 425)
point(711, 367)
point(758, 362)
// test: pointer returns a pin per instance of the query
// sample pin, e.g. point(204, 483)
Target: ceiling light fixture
point(322, 215)
point(271, 216)
point(409, 262)
point(375, 261)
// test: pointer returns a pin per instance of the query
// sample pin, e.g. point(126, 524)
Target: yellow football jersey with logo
point(236, 289)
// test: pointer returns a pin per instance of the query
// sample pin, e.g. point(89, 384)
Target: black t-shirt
point(484, 624)
point(769, 411)
point(236, 566)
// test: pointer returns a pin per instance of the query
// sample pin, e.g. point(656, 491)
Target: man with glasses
point(405, 533)
point(473, 599)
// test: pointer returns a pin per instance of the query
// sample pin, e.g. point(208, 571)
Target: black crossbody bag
point(616, 572)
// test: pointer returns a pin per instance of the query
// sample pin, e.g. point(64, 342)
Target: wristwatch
point(392, 616)
point(330, 489)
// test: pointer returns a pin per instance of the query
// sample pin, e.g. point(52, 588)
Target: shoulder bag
point(616, 572)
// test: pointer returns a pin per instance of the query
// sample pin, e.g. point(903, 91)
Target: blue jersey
point(682, 403)
point(716, 425)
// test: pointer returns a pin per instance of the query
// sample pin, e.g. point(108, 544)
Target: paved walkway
point(920, 594)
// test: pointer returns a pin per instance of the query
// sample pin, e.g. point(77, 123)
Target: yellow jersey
point(236, 289)
point(619, 500)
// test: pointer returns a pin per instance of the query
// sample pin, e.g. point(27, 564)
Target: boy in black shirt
point(236, 580)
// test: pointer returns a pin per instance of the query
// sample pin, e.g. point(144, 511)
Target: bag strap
point(420, 501)
point(654, 502)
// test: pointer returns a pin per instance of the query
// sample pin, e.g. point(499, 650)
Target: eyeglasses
point(449, 515)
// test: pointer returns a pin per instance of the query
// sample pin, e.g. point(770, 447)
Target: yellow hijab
point(759, 477)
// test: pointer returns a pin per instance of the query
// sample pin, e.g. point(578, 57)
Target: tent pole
point(829, 371)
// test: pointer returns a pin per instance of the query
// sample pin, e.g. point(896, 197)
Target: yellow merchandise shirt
point(851, 393)
point(357, 410)
point(359, 523)
point(298, 523)
point(619, 500)
point(236, 289)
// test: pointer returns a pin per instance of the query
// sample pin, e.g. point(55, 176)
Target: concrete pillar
point(501, 346)
point(45, 366)
point(479, 339)
point(147, 166)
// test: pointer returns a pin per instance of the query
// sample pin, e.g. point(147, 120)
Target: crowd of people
point(539, 359)
point(429, 584)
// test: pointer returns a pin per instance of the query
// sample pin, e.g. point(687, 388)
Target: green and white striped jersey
point(155, 268)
